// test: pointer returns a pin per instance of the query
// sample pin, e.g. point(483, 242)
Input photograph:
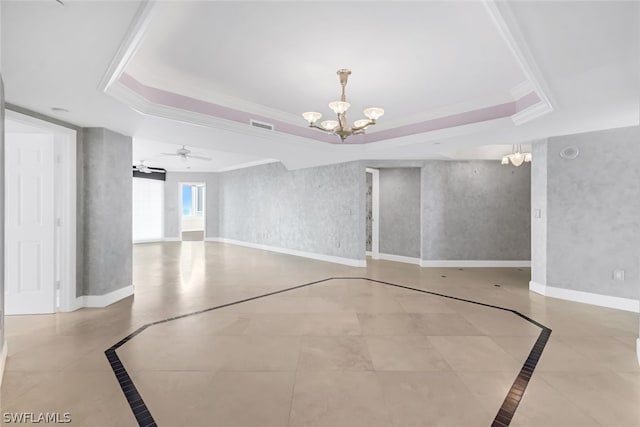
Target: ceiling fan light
point(505, 160)
point(374, 113)
point(527, 157)
point(311, 116)
point(329, 125)
point(339, 107)
point(361, 123)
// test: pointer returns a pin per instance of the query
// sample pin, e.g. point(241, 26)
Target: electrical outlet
point(537, 213)
point(618, 274)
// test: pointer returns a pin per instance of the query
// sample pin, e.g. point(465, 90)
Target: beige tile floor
point(340, 353)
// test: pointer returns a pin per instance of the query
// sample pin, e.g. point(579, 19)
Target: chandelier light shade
point(517, 157)
point(341, 127)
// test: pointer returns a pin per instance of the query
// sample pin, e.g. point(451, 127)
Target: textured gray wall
point(539, 203)
point(319, 210)
point(400, 211)
point(475, 210)
point(369, 213)
point(594, 213)
point(173, 202)
point(107, 211)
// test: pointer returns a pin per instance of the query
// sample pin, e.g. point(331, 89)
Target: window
point(193, 200)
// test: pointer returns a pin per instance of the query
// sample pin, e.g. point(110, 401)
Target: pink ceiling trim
point(187, 103)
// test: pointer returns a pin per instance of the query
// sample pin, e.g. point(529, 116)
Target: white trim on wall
point(171, 239)
point(608, 301)
point(135, 242)
point(474, 263)
point(99, 301)
point(399, 258)
point(320, 257)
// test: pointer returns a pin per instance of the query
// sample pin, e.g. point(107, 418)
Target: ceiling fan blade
point(171, 154)
point(200, 158)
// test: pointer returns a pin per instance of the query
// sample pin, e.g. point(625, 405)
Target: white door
point(29, 224)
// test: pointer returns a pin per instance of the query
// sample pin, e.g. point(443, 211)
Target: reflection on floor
point(192, 236)
point(340, 353)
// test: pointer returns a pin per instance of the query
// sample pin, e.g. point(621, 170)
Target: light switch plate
point(618, 274)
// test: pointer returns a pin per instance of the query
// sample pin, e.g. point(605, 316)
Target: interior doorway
point(193, 211)
point(372, 213)
point(40, 216)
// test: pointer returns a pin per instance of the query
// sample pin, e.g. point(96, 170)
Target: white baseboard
point(368, 253)
point(171, 239)
point(474, 263)
point(618, 303)
point(3, 360)
point(320, 257)
point(399, 258)
point(99, 301)
point(156, 240)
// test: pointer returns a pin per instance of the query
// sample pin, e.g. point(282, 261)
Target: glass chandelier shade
point(517, 157)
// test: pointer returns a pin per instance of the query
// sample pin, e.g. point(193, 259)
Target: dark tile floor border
point(503, 417)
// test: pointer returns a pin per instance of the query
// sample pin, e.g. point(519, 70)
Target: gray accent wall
point(107, 211)
point(369, 212)
point(539, 213)
point(475, 210)
point(593, 220)
point(172, 202)
point(319, 210)
point(400, 211)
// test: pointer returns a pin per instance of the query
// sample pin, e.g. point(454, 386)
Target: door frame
point(204, 206)
point(65, 171)
point(375, 213)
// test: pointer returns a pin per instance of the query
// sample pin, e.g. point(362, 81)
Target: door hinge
point(57, 284)
point(59, 222)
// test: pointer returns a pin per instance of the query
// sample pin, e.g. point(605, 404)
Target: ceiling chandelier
point(340, 127)
point(517, 157)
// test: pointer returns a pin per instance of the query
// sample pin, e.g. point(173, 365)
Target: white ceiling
point(411, 58)
point(281, 58)
point(151, 153)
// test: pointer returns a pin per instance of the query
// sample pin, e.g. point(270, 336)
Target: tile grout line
point(503, 417)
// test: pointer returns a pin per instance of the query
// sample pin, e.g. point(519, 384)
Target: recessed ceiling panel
point(417, 60)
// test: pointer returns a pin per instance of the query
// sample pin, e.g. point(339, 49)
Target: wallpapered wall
point(400, 211)
point(593, 213)
point(369, 211)
point(319, 210)
point(476, 210)
point(107, 200)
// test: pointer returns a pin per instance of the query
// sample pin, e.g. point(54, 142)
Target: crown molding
point(513, 38)
point(129, 46)
point(531, 113)
point(522, 90)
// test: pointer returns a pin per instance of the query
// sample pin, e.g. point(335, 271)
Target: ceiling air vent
point(261, 125)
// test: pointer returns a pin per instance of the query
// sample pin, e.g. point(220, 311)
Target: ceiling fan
point(185, 154)
point(141, 167)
